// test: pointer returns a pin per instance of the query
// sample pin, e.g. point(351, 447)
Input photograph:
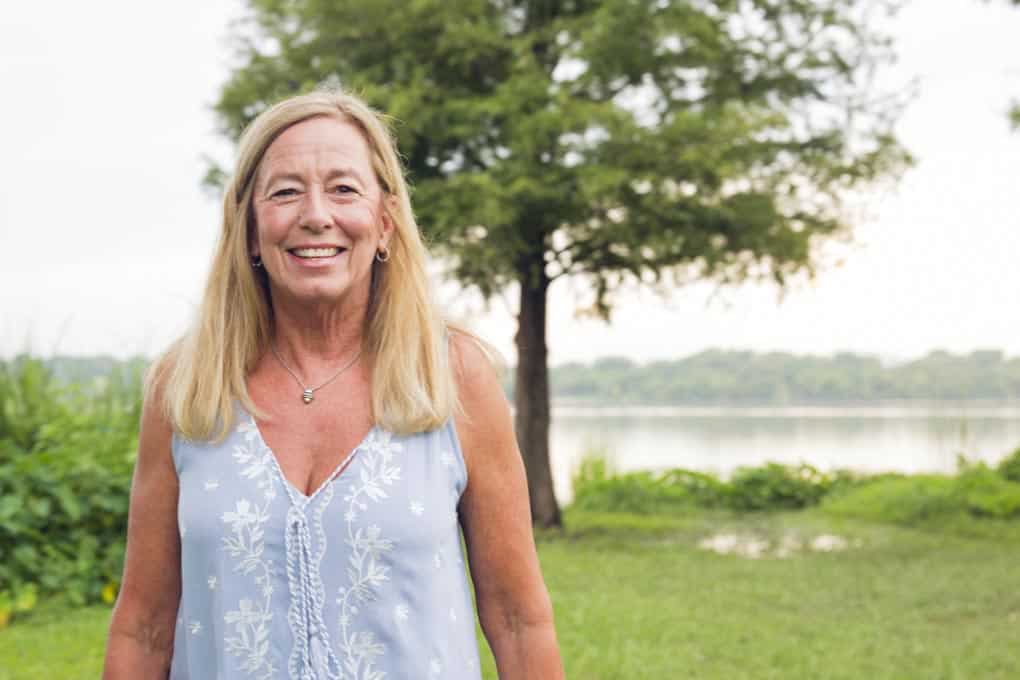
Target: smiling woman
point(302, 482)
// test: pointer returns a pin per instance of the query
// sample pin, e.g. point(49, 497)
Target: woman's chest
point(403, 491)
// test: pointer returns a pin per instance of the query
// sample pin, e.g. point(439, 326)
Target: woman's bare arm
point(141, 637)
point(513, 604)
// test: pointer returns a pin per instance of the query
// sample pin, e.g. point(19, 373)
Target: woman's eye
point(344, 189)
point(283, 193)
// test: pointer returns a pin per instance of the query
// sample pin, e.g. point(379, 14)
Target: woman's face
point(318, 214)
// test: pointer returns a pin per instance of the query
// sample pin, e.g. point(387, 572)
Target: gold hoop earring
point(383, 254)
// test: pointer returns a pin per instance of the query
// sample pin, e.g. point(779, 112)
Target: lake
point(912, 437)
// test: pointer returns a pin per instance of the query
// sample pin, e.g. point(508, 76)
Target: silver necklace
point(309, 392)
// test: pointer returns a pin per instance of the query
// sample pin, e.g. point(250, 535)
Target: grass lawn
point(636, 598)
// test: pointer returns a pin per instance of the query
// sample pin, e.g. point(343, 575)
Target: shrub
point(987, 494)
point(977, 491)
point(701, 488)
point(770, 487)
point(66, 455)
point(899, 499)
point(776, 486)
point(596, 488)
point(1009, 467)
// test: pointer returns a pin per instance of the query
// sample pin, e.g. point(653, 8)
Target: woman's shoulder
point(483, 413)
point(474, 361)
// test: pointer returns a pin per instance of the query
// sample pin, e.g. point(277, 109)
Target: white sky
point(105, 233)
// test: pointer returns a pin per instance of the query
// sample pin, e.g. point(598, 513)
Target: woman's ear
point(253, 241)
point(388, 225)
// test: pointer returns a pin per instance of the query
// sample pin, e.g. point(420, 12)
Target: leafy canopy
point(614, 140)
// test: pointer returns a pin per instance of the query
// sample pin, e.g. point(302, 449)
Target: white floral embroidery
point(213, 582)
point(246, 545)
point(195, 627)
point(400, 612)
point(211, 485)
point(435, 667)
point(365, 572)
point(446, 458)
point(437, 561)
point(241, 517)
point(417, 508)
point(453, 614)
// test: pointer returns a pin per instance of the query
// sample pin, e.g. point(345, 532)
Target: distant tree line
point(728, 377)
point(776, 378)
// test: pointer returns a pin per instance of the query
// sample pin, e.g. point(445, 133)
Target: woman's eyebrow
point(343, 171)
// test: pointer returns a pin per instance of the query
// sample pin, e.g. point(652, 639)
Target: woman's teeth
point(315, 252)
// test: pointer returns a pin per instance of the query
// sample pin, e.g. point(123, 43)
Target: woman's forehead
point(320, 144)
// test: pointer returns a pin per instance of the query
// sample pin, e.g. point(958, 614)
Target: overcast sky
point(105, 233)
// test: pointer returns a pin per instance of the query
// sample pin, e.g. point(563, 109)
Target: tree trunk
point(531, 392)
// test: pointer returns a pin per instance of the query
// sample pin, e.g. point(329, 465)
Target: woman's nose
point(316, 213)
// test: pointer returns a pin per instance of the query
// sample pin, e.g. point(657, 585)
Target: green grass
point(55, 642)
point(635, 598)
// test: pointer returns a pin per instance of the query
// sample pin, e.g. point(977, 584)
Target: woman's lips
point(315, 260)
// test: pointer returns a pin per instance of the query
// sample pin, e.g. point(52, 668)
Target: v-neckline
point(337, 471)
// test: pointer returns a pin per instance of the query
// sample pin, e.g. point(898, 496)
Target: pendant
point(307, 396)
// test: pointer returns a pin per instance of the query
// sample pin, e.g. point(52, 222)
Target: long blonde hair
point(204, 372)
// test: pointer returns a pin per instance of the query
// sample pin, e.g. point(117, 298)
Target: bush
point(66, 456)
point(776, 486)
point(987, 494)
point(597, 489)
point(1009, 467)
point(977, 491)
point(702, 489)
point(899, 499)
point(771, 487)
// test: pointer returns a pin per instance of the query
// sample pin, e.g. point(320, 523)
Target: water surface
point(912, 437)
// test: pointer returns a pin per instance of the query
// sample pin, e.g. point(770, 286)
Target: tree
point(620, 141)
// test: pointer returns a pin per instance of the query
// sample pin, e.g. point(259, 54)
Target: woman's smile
point(316, 256)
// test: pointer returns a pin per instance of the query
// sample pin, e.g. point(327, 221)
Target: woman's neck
point(314, 340)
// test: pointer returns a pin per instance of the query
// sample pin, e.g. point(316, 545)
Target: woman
point(310, 451)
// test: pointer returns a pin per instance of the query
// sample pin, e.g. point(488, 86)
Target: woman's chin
point(321, 295)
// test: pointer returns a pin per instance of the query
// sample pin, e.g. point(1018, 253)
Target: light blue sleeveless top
point(362, 580)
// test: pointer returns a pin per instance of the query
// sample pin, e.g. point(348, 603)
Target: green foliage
point(595, 488)
point(976, 491)
point(775, 486)
point(900, 500)
point(769, 487)
point(66, 456)
point(917, 500)
point(1009, 467)
point(987, 494)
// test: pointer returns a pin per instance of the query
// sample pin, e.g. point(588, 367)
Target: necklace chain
point(309, 392)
